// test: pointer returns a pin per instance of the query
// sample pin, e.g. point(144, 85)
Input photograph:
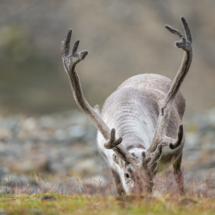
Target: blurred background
point(41, 128)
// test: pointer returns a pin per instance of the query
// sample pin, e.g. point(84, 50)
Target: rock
point(3, 171)
point(46, 187)
point(30, 124)
point(5, 190)
point(94, 184)
point(98, 180)
point(57, 167)
point(47, 122)
point(76, 154)
point(87, 165)
point(71, 186)
point(61, 142)
point(5, 134)
point(2, 212)
point(187, 201)
point(191, 141)
point(206, 166)
point(60, 135)
point(19, 185)
point(47, 198)
point(76, 132)
point(33, 163)
point(12, 180)
point(210, 119)
point(35, 211)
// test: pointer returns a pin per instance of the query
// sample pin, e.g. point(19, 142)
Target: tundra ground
point(98, 204)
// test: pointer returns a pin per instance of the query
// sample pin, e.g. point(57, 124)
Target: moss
point(85, 204)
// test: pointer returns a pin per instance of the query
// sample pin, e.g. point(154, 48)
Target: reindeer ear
point(118, 160)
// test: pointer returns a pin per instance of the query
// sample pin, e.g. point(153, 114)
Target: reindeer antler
point(160, 139)
point(70, 61)
point(165, 105)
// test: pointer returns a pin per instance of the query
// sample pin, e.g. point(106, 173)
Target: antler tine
point(156, 155)
point(174, 31)
point(186, 29)
point(175, 144)
point(65, 44)
point(149, 165)
point(70, 62)
point(113, 143)
point(165, 105)
point(75, 47)
point(145, 160)
point(177, 32)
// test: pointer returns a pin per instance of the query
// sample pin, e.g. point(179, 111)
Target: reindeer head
point(138, 176)
point(137, 170)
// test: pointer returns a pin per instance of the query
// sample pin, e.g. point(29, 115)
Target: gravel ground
point(58, 152)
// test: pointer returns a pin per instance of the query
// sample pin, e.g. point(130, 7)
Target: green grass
point(110, 205)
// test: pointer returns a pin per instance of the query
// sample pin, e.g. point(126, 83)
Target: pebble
point(66, 141)
point(2, 212)
point(47, 198)
point(13, 180)
point(3, 171)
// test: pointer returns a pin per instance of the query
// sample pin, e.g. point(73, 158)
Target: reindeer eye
point(126, 175)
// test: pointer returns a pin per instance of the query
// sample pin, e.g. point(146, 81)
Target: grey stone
point(47, 198)
point(3, 171)
point(57, 166)
point(192, 140)
point(94, 184)
point(2, 212)
point(17, 181)
point(76, 132)
point(86, 165)
point(5, 189)
point(36, 211)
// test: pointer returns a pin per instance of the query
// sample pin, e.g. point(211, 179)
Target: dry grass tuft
point(77, 199)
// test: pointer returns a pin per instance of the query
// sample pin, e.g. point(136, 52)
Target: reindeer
point(140, 129)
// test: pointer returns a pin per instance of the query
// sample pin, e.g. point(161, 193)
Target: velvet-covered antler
point(165, 105)
point(70, 61)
